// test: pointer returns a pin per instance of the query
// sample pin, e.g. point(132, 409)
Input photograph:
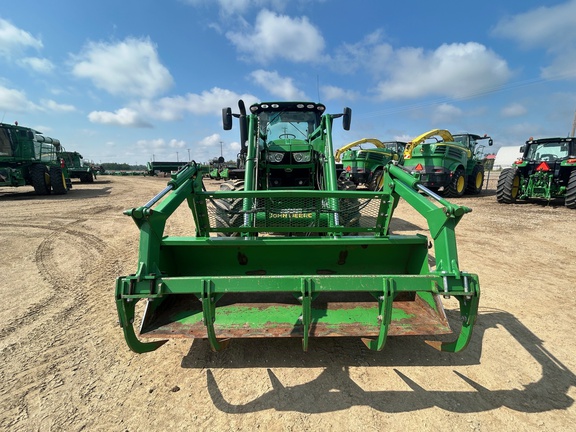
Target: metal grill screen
point(293, 213)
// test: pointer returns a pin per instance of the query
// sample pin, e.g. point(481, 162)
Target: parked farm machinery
point(366, 165)
point(547, 170)
point(289, 251)
point(29, 158)
point(451, 162)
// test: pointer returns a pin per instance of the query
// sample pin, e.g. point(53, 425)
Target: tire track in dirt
point(52, 331)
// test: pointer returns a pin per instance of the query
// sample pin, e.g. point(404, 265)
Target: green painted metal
point(547, 170)
point(291, 266)
point(438, 163)
point(27, 157)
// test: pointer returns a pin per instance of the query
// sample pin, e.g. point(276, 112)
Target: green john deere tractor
point(366, 165)
point(287, 250)
point(547, 170)
point(451, 162)
point(29, 158)
point(77, 168)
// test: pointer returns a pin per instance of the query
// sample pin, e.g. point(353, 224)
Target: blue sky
point(128, 81)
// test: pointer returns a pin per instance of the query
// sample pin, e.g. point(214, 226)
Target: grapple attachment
point(294, 264)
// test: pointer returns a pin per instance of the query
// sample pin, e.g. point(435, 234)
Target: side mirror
point(522, 149)
point(490, 142)
point(227, 118)
point(347, 118)
point(220, 160)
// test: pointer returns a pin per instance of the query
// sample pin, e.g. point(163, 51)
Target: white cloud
point(278, 86)
point(50, 105)
point(14, 40)
point(338, 93)
point(122, 117)
point(37, 64)
point(454, 70)
point(370, 54)
point(444, 113)
point(15, 101)
point(513, 110)
point(206, 103)
point(549, 27)
point(276, 36)
point(127, 68)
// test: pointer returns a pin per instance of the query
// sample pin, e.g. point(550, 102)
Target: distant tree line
point(113, 166)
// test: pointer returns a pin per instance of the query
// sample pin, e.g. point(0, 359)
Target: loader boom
point(296, 260)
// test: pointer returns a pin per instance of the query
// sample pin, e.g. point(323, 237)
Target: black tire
point(86, 178)
point(457, 185)
point(228, 210)
point(349, 207)
point(376, 181)
point(571, 191)
point(508, 186)
point(57, 181)
point(40, 179)
point(475, 180)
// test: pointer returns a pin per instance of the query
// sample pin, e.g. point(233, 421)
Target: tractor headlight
point(275, 157)
point(302, 157)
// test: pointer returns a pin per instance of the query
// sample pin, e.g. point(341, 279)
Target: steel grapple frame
point(321, 277)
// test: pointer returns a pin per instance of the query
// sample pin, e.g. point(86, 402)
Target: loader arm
point(340, 151)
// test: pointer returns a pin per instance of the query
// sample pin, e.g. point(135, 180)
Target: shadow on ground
point(335, 390)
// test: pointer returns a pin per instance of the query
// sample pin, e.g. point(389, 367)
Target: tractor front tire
point(40, 179)
point(475, 180)
point(228, 210)
point(457, 185)
point(377, 180)
point(571, 191)
point(508, 186)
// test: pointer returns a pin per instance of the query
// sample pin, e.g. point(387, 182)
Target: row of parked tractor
point(455, 165)
point(27, 157)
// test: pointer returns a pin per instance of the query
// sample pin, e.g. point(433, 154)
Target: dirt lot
point(65, 365)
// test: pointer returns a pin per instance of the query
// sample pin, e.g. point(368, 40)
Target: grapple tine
point(126, 318)
point(384, 317)
point(469, 312)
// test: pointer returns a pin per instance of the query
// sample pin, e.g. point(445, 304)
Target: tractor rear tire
point(508, 186)
point(228, 210)
point(457, 185)
point(40, 179)
point(571, 191)
point(57, 181)
point(475, 180)
point(376, 182)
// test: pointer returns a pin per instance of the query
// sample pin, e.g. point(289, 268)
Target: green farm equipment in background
point(366, 165)
point(163, 167)
point(219, 169)
point(29, 158)
point(288, 250)
point(451, 162)
point(76, 166)
point(547, 170)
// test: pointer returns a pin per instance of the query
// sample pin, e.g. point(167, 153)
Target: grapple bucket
point(294, 264)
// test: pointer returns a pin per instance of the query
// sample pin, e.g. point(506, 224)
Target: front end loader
point(287, 250)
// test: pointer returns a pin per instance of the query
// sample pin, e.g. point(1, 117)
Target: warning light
point(348, 168)
point(419, 167)
point(543, 167)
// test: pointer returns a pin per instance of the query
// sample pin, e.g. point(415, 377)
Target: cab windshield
point(548, 151)
point(287, 125)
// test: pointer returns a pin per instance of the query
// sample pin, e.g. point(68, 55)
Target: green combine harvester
point(29, 158)
point(287, 250)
